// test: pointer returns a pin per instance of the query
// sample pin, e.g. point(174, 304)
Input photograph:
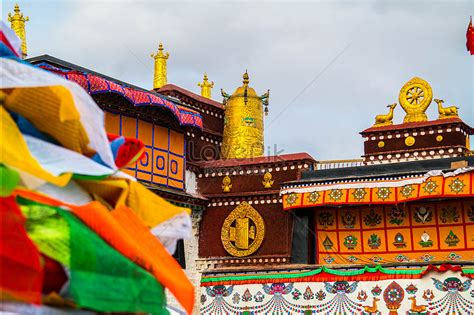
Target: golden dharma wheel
point(415, 97)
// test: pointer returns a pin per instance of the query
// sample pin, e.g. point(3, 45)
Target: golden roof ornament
point(446, 112)
point(206, 86)
point(160, 76)
point(267, 180)
point(415, 97)
point(226, 184)
point(17, 21)
point(243, 122)
point(387, 119)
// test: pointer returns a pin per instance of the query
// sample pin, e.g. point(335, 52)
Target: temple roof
point(274, 159)
point(421, 124)
point(378, 171)
point(96, 83)
point(199, 98)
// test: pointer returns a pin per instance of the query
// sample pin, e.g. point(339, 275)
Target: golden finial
point(246, 78)
point(386, 119)
point(226, 184)
point(267, 180)
point(160, 77)
point(206, 87)
point(17, 21)
point(446, 112)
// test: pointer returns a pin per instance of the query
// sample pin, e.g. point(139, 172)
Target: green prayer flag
point(101, 278)
point(8, 180)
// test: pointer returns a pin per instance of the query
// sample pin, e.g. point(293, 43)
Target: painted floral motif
point(427, 257)
point(457, 185)
point(327, 243)
point(326, 219)
point(449, 214)
point(335, 194)
point(362, 296)
point(291, 199)
point(453, 257)
point(430, 186)
point(423, 214)
point(236, 298)
point(401, 258)
point(203, 299)
point(393, 296)
point(352, 259)
point(428, 295)
point(470, 213)
point(383, 193)
point(359, 194)
point(278, 288)
point(411, 289)
point(372, 218)
point(247, 297)
point(452, 239)
point(308, 294)
point(259, 297)
point(452, 302)
point(350, 241)
point(376, 291)
point(328, 259)
point(341, 301)
point(374, 241)
point(376, 259)
point(296, 294)
point(219, 291)
point(407, 191)
point(348, 219)
point(320, 295)
point(313, 197)
point(396, 215)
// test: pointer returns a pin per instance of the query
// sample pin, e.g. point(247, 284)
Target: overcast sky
point(330, 66)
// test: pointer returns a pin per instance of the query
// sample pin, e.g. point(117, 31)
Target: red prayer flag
point(20, 269)
point(470, 38)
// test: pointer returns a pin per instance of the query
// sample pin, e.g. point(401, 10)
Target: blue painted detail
point(174, 167)
point(160, 160)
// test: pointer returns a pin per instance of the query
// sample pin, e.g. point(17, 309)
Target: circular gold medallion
point(415, 97)
point(381, 144)
point(409, 141)
point(243, 231)
point(439, 138)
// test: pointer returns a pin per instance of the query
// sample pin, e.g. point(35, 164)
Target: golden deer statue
point(416, 308)
point(385, 120)
point(372, 309)
point(446, 112)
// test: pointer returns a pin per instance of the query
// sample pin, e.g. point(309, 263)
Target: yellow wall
point(164, 161)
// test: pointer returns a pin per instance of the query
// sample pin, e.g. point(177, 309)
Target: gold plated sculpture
point(17, 21)
point(387, 119)
point(243, 231)
point(267, 180)
point(243, 122)
point(226, 184)
point(415, 97)
point(160, 77)
point(206, 86)
point(446, 112)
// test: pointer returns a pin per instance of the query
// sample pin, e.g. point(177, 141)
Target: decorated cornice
point(434, 184)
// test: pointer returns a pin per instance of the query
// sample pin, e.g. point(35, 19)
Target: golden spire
point(206, 87)
point(160, 77)
point(243, 122)
point(17, 21)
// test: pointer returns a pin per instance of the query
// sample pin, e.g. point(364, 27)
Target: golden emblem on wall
point(415, 97)
point(267, 180)
point(243, 231)
point(409, 141)
point(226, 184)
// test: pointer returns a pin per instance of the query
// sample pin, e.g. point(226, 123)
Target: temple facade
point(390, 233)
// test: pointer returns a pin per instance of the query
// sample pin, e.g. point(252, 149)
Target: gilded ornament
point(457, 185)
point(385, 120)
point(383, 193)
point(267, 180)
point(415, 97)
point(243, 123)
point(430, 187)
point(160, 77)
point(407, 191)
point(226, 184)
point(243, 231)
point(439, 138)
point(446, 112)
point(291, 198)
point(409, 141)
point(206, 86)
point(359, 194)
point(381, 144)
point(17, 23)
point(335, 194)
point(313, 197)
